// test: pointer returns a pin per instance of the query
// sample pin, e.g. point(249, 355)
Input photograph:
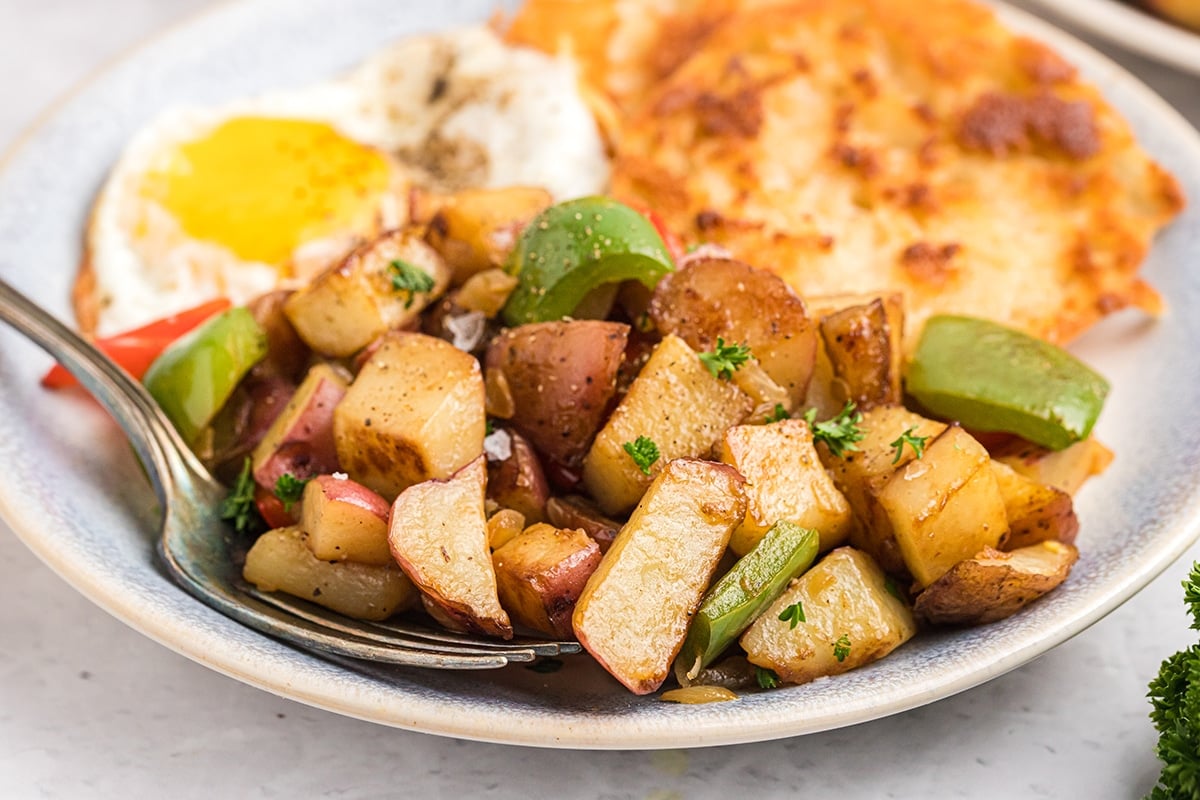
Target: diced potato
point(475, 229)
point(438, 535)
point(486, 292)
point(345, 521)
point(634, 611)
point(859, 474)
point(865, 345)
point(355, 302)
point(716, 297)
point(994, 585)
point(281, 560)
point(674, 401)
point(414, 412)
point(1035, 512)
point(785, 480)
point(504, 526)
point(945, 506)
point(560, 377)
point(541, 573)
point(850, 618)
point(300, 441)
point(1066, 469)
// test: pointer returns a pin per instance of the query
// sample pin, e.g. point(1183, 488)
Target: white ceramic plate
point(72, 490)
point(1122, 22)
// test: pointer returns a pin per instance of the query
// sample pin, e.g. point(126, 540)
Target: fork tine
point(413, 637)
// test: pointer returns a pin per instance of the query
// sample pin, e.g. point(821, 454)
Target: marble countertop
point(90, 708)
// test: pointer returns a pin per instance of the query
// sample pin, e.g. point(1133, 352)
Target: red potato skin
point(562, 376)
point(244, 420)
point(573, 511)
point(518, 482)
point(308, 449)
point(344, 490)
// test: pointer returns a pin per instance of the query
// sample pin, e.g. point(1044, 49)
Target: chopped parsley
point(793, 614)
point(841, 648)
point(917, 443)
point(778, 413)
point(1175, 710)
point(407, 277)
point(839, 434)
point(643, 451)
point(766, 678)
point(489, 426)
point(239, 507)
point(289, 489)
point(725, 359)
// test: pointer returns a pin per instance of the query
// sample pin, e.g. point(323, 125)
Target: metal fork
point(196, 546)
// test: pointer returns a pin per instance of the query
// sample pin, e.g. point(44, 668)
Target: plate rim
point(311, 691)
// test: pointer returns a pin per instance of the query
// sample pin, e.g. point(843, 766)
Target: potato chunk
point(439, 536)
point(675, 402)
point(859, 474)
point(300, 440)
point(634, 611)
point(865, 345)
point(945, 506)
point(359, 299)
point(850, 619)
point(717, 297)
point(475, 229)
point(281, 560)
point(345, 521)
point(1035, 512)
point(1066, 469)
point(994, 585)
point(540, 575)
point(785, 480)
point(414, 412)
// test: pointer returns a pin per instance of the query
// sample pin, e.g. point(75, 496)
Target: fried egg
point(264, 192)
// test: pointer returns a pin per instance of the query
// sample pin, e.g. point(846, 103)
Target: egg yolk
point(263, 186)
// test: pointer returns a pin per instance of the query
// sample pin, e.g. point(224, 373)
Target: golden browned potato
point(993, 585)
point(634, 611)
point(860, 473)
point(503, 526)
point(475, 229)
point(345, 521)
point(518, 482)
point(676, 403)
point(439, 537)
point(281, 560)
point(415, 411)
point(380, 286)
point(1183, 12)
point(300, 442)
point(785, 480)
point(1066, 469)
point(560, 377)
point(848, 618)
point(944, 506)
point(865, 345)
point(1035, 512)
point(540, 575)
point(714, 297)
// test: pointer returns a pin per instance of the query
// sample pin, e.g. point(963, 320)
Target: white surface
point(90, 708)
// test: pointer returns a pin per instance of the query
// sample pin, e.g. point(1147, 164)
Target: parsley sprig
point(1175, 700)
point(725, 359)
point(839, 434)
point(793, 614)
point(407, 277)
point(841, 648)
point(766, 678)
point(289, 489)
point(917, 443)
point(239, 507)
point(778, 414)
point(643, 451)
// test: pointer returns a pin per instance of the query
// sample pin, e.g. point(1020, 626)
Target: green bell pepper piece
point(574, 247)
point(993, 378)
point(754, 582)
point(197, 373)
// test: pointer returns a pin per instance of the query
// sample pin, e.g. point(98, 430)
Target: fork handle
point(152, 435)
